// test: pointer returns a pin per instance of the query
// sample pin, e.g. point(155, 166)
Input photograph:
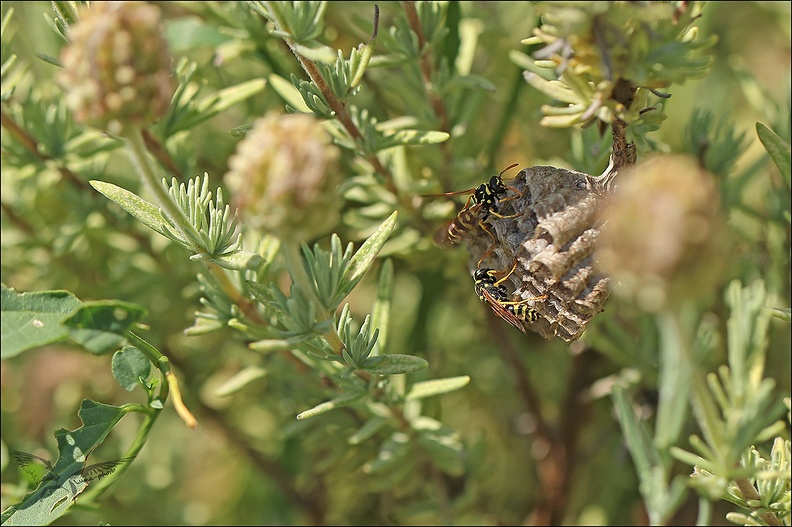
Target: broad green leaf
point(31, 320)
point(364, 258)
point(778, 149)
point(423, 389)
point(393, 364)
point(51, 500)
point(338, 402)
point(129, 365)
point(100, 327)
point(57, 491)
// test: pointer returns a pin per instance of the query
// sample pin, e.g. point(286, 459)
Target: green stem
point(300, 277)
point(137, 151)
point(338, 106)
point(151, 414)
point(704, 512)
point(749, 493)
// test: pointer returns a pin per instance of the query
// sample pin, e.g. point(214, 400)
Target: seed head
point(284, 177)
point(116, 69)
point(665, 238)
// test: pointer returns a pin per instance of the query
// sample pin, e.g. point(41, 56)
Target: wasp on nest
point(550, 229)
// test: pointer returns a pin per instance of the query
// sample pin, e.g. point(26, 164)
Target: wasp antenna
point(508, 168)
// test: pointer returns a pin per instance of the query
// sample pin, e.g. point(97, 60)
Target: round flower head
point(116, 68)
point(283, 177)
point(664, 240)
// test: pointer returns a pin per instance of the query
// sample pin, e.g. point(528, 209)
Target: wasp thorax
point(284, 176)
point(116, 69)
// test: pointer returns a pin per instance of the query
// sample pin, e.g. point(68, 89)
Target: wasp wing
point(501, 311)
point(24, 459)
point(104, 468)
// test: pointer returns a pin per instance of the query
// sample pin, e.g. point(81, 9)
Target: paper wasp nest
point(552, 238)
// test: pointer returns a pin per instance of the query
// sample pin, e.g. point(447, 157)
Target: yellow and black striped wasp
point(490, 291)
point(482, 203)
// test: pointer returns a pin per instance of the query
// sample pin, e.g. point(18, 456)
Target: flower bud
point(283, 177)
point(665, 239)
point(116, 69)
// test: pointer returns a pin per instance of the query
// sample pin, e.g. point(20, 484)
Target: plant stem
point(94, 491)
point(137, 151)
point(338, 107)
point(749, 492)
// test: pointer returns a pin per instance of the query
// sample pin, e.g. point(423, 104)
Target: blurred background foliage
point(250, 461)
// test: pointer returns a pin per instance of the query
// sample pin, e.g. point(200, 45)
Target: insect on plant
point(482, 202)
point(490, 291)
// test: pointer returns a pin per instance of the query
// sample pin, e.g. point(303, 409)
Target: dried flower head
point(284, 178)
point(664, 240)
point(116, 69)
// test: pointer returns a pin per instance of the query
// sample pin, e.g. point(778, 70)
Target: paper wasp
point(482, 202)
point(490, 291)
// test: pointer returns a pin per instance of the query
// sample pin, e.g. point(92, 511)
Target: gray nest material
point(552, 237)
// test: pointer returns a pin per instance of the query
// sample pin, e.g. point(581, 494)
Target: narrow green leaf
point(690, 458)
point(271, 345)
point(212, 105)
point(288, 93)
point(635, 434)
point(338, 402)
point(419, 390)
point(235, 261)
point(414, 137)
point(362, 260)
point(444, 451)
point(778, 149)
point(317, 53)
point(554, 89)
point(203, 326)
point(380, 314)
point(129, 365)
point(369, 428)
point(365, 51)
point(240, 380)
point(674, 379)
point(392, 454)
point(145, 212)
point(30, 320)
point(394, 364)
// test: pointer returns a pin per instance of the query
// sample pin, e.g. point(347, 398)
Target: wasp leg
point(524, 300)
point(491, 246)
point(499, 282)
point(504, 217)
point(517, 193)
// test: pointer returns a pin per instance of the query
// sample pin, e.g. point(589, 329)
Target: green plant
point(312, 380)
